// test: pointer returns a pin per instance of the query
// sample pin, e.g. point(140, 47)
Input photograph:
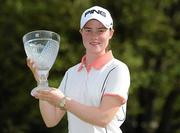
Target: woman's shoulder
point(74, 68)
point(118, 63)
point(118, 67)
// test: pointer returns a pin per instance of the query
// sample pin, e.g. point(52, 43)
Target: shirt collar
point(97, 63)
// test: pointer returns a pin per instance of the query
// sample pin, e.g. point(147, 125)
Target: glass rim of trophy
point(42, 47)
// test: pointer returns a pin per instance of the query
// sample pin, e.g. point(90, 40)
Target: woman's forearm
point(50, 114)
point(99, 116)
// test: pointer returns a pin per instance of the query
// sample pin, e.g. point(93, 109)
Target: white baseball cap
point(98, 13)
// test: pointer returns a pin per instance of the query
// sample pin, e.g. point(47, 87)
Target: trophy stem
point(42, 84)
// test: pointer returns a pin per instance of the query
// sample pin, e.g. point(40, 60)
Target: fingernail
point(33, 65)
point(33, 94)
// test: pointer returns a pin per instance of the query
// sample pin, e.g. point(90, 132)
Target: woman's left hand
point(53, 96)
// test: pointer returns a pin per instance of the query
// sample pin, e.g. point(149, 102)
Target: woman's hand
point(53, 95)
point(33, 67)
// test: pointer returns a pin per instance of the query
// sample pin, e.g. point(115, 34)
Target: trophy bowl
point(42, 47)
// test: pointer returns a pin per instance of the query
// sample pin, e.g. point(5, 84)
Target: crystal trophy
point(42, 47)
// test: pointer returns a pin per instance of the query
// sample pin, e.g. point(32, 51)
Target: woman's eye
point(101, 30)
point(87, 30)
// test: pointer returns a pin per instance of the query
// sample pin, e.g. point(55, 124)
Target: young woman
point(94, 92)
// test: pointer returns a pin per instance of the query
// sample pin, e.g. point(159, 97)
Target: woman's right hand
point(33, 67)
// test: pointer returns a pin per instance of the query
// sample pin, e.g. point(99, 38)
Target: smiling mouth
point(94, 43)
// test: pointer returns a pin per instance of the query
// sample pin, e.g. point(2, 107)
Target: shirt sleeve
point(118, 82)
point(63, 83)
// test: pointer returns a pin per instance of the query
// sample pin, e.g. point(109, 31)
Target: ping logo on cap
point(98, 13)
point(95, 11)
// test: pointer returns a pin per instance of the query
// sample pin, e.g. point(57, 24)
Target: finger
point(52, 88)
point(30, 63)
point(33, 67)
point(43, 92)
point(36, 97)
point(41, 97)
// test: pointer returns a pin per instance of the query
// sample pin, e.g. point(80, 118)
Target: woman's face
point(95, 37)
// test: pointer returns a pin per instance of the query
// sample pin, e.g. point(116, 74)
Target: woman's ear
point(80, 30)
point(111, 33)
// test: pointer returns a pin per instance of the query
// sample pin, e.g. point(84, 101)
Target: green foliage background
point(147, 39)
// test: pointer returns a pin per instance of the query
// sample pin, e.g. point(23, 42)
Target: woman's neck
point(90, 57)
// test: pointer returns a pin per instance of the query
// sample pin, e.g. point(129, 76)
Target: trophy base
point(34, 91)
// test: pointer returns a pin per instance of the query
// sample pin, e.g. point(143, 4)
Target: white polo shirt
point(87, 85)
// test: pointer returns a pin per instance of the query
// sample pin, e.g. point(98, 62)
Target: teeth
point(94, 43)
